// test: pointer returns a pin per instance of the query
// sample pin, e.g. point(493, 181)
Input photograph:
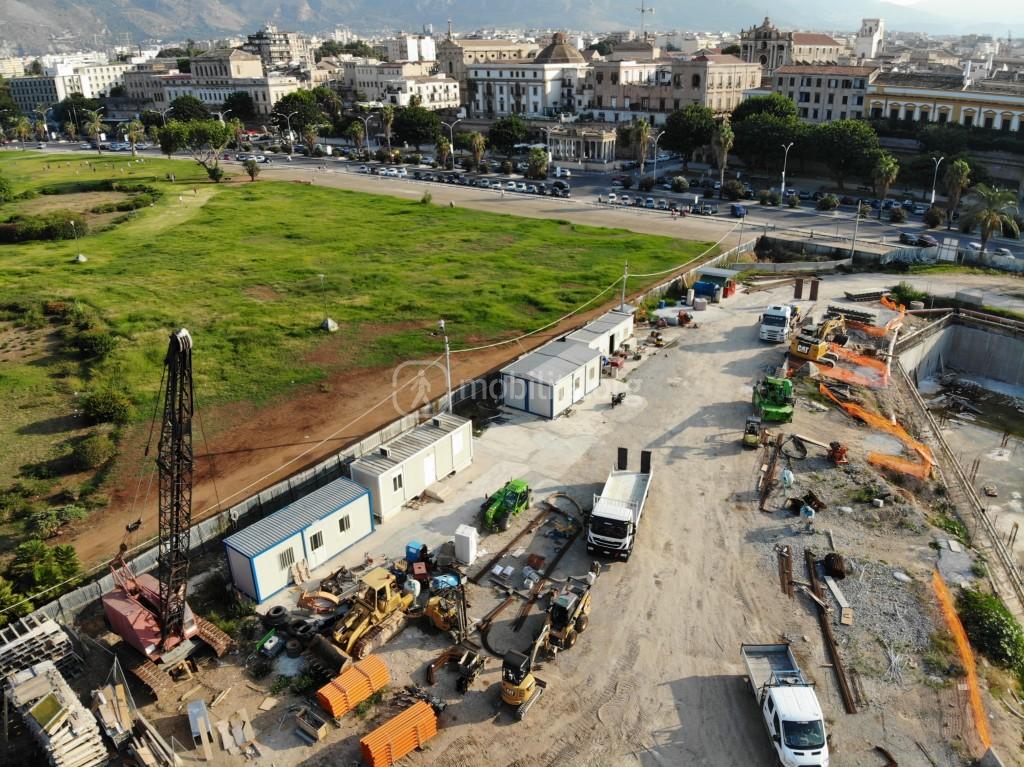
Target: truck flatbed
point(771, 664)
point(625, 490)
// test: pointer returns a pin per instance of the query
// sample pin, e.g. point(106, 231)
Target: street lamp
point(163, 115)
point(366, 128)
point(288, 119)
point(447, 365)
point(785, 160)
point(220, 115)
point(451, 136)
point(935, 176)
point(656, 140)
point(547, 141)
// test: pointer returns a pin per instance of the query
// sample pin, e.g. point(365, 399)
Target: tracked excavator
point(519, 687)
point(377, 613)
point(814, 346)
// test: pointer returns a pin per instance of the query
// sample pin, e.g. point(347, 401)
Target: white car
point(496, 185)
point(362, 169)
point(561, 172)
point(612, 197)
point(974, 246)
point(521, 187)
point(511, 186)
point(1003, 252)
point(401, 172)
point(624, 200)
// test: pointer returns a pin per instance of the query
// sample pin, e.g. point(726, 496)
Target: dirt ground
point(657, 678)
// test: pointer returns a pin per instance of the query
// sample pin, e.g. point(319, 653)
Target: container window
point(344, 524)
point(316, 541)
point(286, 558)
point(396, 482)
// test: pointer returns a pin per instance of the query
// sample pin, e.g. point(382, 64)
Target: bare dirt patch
point(81, 202)
point(261, 293)
point(20, 344)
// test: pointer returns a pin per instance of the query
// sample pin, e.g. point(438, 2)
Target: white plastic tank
point(689, 297)
point(466, 538)
point(413, 587)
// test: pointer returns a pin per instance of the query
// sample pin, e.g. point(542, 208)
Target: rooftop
point(283, 524)
point(228, 53)
point(407, 445)
point(921, 80)
point(812, 38)
point(559, 52)
point(825, 69)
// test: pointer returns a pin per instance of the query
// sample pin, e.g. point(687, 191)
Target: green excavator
point(773, 399)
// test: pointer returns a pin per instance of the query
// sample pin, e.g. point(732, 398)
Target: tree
point(42, 131)
point(956, 179)
point(303, 104)
point(444, 150)
point(12, 604)
point(688, 129)
point(7, 105)
point(328, 101)
point(537, 163)
point(35, 69)
point(774, 104)
point(846, 147)
point(416, 126)
point(387, 119)
point(93, 127)
point(680, 184)
point(992, 210)
point(73, 108)
point(505, 133)
point(6, 191)
point(71, 129)
point(603, 47)
point(204, 140)
point(477, 144)
point(135, 133)
point(241, 105)
point(252, 168)
point(356, 133)
point(884, 176)
point(117, 92)
point(642, 139)
point(22, 128)
point(66, 559)
point(185, 108)
point(310, 136)
point(328, 48)
point(722, 139)
point(731, 50)
point(27, 557)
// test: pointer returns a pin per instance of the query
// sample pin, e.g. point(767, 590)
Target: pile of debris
point(65, 730)
point(33, 640)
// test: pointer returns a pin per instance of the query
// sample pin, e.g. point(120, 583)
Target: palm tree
point(94, 127)
point(956, 180)
point(642, 135)
point(135, 132)
point(444, 148)
point(884, 175)
point(310, 134)
point(387, 117)
point(71, 129)
point(22, 129)
point(722, 140)
point(477, 145)
point(992, 210)
point(357, 133)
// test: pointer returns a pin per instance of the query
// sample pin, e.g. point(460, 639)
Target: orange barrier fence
point(356, 684)
point(399, 735)
point(966, 657)
point(867, 371)
point(879, 331)
point(921, 469)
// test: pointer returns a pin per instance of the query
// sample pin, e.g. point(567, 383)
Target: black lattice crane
point(174, 461)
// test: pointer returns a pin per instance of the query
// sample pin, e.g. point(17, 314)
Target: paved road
point(838, 226)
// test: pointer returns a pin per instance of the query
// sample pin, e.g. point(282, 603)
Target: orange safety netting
point(966, 656)
point(921, 469)
point(868, 371)
point(883, 330)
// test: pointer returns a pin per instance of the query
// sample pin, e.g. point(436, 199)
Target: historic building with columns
point(996, 103)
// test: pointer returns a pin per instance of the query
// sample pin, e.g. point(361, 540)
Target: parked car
point(521, 186)
point(542, 188)
point(612, 197)
point(497, 185)
point(560, 184)
point(908, 238)
point(531, 189)
point(662, 204)
point(803, 194)
point(649, 202)
point(706, 210)
point(625, 200)
point(362, 169)
point(927, 241)
point(919, 209)
point(566, 193)
point(511, 186)
point(907, 204)
point(1003, 252)
point(561, 172)
point(974, 247)
point(847, 200)
point(737, 210)
point(401, 172)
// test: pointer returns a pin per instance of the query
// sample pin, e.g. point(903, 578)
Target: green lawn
point(238, 265)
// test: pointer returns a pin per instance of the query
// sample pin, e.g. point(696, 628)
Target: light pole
point(220, 115)
point(935, 175)
point(785, 160)
point(547, 142)
point(447, 365)
point(163, 115)
point(366, 128)
point(451, 136)
point(288, 119)
point(656, 140)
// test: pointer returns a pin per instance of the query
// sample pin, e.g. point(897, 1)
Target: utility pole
point(856, 226)
point(625, 277)
point(935, 175)
point(644, 10)
point(447, 365)
point(785, 160)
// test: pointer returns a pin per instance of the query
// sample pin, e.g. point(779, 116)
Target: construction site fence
point(979, 512)
point(207, 534)
point(688, 277)
point(802, 266)
point(959, 316)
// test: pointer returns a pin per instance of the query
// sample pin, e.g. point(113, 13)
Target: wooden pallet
point(219, 642)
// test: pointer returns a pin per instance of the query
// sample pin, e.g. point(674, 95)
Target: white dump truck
point(613, 522)
point(778, 322)
point(789, 705)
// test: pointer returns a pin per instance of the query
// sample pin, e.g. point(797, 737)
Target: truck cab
point(777, 322)
point(796, 726)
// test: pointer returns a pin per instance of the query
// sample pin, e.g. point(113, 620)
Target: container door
point(429, 470)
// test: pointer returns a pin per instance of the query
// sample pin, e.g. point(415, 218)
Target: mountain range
point(35, 26)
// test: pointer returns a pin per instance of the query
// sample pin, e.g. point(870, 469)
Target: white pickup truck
point(613, 522)
point(789, 705)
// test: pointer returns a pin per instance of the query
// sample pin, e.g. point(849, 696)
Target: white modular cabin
point(548, 381)
point(399, 470)
point(608, 332)
point(315, 528)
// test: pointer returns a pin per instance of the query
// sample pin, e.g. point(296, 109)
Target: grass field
point(238, 264)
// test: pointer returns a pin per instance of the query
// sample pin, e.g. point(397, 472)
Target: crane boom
point(174, 461)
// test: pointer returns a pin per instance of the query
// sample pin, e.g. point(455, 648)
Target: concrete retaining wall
point(990, 354)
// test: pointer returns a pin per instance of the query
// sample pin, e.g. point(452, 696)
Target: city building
point(622, 91)
point(12, 67)
point(433, 92)
point(772, 48)
point(371, 78)
point(456, 56)
point(33, 91)
point(823, 92)
point(144, 84)
point(411, 48)
point(280, 50)
point(549, 84)
point(634, 50)
point(582, 142)
point(994, 103)
point(217, 74)
point(868, 43)
point(97, 80)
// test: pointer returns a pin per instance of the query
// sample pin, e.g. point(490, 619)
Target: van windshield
point(803, 735)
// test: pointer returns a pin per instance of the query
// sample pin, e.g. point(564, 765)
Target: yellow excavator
point(377, 613)
point(814, 345)
point(568, 615)
point(519, 687)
